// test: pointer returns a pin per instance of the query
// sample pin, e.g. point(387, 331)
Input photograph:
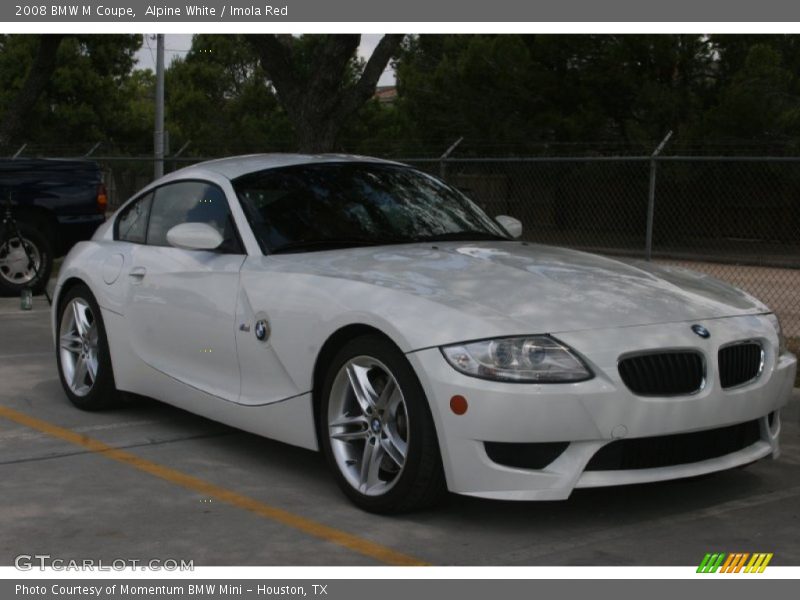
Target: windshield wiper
point(467, 236)
point(312, 245)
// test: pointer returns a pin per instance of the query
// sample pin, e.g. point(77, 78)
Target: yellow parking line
point(318, 530)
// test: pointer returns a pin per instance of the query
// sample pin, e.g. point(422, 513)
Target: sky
point(178, 44)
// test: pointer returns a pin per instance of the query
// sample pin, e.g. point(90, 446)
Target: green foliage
point(505, 94)
point(471, 86)
point(523, 91)
point(92, 95)
point(760, 102)
point(217, 98)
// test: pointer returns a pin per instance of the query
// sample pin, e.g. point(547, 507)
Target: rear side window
point(190, 202)
point(132, 221)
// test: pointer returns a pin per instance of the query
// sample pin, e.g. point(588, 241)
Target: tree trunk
point(313, 136)
point(14, 121)
point(316, 94)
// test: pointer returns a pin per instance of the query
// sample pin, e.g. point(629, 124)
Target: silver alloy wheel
point(77, 339)
point(368, 425)
point(15, 267)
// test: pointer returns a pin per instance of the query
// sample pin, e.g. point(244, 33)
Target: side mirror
point(510, 224)
point(194, 236)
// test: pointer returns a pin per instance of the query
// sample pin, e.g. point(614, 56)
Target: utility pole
point(651, 198)
point(158, 146)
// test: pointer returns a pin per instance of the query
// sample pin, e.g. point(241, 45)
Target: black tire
point(103, 393)
point(11, 281)
point(420, 482)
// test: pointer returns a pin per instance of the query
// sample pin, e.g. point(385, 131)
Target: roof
point(236, 166)
point(386, 94)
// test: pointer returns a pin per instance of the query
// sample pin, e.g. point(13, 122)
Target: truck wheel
point(20, 269)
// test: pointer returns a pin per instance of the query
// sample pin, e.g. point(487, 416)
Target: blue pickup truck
point(56, 203)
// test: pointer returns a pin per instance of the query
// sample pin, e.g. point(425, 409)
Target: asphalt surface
point(150, 481)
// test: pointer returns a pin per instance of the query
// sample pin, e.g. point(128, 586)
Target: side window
point(191, 202)
point(132, 222)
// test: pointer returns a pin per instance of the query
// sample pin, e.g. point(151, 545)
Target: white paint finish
point(585, 413)
point(289, 421)
point(450, 292)
point(194, 236)
point(180, 307)
point(112, 267)
point(745, 456)
point(422, 296)
point(234, 167)
point(265, 378)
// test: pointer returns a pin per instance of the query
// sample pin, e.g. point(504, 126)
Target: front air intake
point(740, 363)
point(675, 373)
point(672, 450)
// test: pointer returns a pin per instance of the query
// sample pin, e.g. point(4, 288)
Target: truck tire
point(17, 271)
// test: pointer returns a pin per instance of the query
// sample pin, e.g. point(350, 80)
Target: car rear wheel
point(84, 362)
point(25, 261)
point(376, 428)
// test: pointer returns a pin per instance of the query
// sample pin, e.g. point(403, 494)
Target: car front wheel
point(377, 432)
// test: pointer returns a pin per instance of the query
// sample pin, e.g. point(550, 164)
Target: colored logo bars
point(735, 562)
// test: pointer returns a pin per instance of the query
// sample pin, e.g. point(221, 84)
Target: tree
point(319, 81)
point(41, 69)
point(70, 92)
point(756, 94)
point(481, 87)
point(521, 93)
point(217, 97)
point(760, 102)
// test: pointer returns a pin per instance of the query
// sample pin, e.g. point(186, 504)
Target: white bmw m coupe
point(368, 310)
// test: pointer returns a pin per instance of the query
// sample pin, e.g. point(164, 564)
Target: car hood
point(543, 288)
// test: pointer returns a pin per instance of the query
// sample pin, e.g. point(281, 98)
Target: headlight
point(529, 359)
point(773, 318)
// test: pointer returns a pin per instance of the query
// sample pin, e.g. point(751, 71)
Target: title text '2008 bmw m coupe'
point(367, 309)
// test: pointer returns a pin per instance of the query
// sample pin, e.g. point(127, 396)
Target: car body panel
point(181, 314)
point(592, 413)
point(485, 289)
point(423, 296)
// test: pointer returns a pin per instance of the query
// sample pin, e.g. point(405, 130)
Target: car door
point(181, 304)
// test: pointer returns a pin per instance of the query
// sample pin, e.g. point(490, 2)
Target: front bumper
point(590, 414)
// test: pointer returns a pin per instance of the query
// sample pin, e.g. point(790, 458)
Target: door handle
point(137, 273)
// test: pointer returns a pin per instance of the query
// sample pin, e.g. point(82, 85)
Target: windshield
point(322, 206)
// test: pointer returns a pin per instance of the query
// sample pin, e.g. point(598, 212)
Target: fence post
point(445, 156)
point(651, 198)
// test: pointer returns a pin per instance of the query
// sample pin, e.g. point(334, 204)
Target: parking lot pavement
point(149, 481)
